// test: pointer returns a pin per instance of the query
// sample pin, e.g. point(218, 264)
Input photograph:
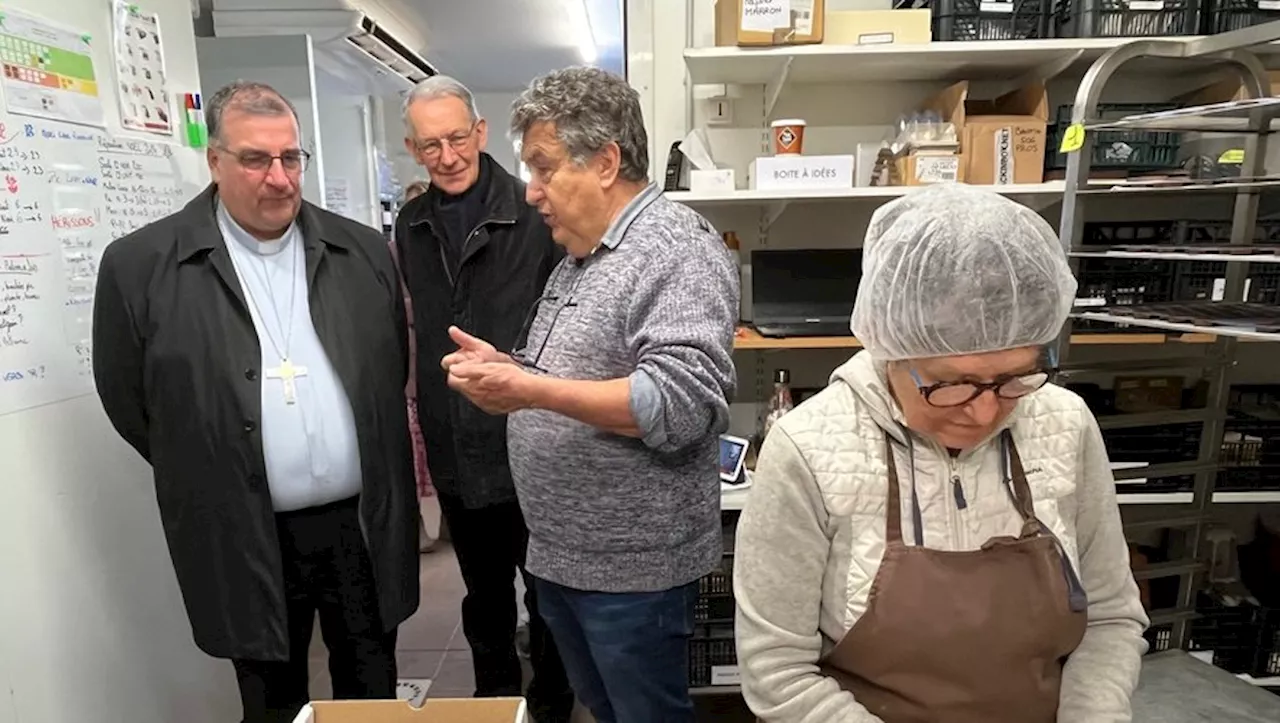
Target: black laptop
point(806, 292)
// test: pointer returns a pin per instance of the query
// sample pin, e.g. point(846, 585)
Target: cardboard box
point(769, 22)
point(797, 172)
point(878, 27)
point(436, 710)
point(1003, 140)
point(1225, 90)
point(1148, 394)
point(717, 180)
point(925, 169)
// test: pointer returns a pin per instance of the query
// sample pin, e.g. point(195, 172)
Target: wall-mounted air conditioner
point(347, 41)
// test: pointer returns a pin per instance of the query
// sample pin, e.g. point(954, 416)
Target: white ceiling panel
point(499, 45)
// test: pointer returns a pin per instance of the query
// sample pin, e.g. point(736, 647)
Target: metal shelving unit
point(1253, 117)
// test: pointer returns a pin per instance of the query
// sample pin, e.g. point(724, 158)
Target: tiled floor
point(431, 645)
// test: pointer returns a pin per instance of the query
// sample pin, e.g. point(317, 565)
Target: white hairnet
point(952, 269)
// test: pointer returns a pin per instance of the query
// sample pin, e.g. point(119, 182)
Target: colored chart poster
point(140, 73)
point(48, 70)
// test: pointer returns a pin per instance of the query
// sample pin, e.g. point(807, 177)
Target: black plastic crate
point(715, 594)
point(711, 652)
point(1225, 629)
point(986, 19)
point(1267, 662)
point(1244, 638)
point(1159, 638)
point(1223, 15)
point(1257, 396)
point(720, 580)
point(1129, 150)
point(1248, 479)
point(1119, 233)
point(1120, 282)
point(1218, 233)
point(1259, 444)
point(1159, 444)
point(1127, 18)
point(1206, 281)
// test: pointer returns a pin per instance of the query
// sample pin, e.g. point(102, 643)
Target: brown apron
point(974, 636)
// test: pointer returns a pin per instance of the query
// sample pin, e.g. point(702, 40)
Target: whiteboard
point(66, 191)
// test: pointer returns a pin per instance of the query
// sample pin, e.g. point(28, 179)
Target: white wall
point(285, 62)
point(91, 622)
point(496, 108)
point(345, 130)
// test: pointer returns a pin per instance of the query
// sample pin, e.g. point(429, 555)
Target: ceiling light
point(586, 39)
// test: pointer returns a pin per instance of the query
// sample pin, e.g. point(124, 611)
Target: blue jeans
point(626, 654)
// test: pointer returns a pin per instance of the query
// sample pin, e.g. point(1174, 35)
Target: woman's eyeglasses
point(958, 394)
point(1011, 386)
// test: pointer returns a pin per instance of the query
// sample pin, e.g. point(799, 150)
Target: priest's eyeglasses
point(293, 161)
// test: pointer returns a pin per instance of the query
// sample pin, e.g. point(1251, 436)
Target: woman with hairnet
point(935, 536)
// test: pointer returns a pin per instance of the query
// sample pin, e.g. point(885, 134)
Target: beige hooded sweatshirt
point(811, 537)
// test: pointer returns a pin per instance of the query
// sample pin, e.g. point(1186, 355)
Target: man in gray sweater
point(616, 400)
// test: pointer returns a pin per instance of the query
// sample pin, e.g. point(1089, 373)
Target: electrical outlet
point(719, 111)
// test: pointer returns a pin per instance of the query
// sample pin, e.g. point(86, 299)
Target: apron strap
point(893, 509)
point(1020, 490)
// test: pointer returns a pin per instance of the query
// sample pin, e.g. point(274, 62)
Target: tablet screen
point(732, 452)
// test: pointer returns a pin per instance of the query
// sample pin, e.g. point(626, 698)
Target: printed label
point(1004, 157)
point(937, 169)
point(765, 15)
point(725, 675)
point(802, 12)
point(878, 38)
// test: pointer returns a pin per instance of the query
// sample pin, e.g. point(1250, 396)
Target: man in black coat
point(253, 348)
point(474, 255)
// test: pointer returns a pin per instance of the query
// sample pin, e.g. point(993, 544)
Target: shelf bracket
point(771, 212)
point(773, 88)
point(1044, 72)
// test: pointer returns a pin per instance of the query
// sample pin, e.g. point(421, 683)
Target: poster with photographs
point(140, 76)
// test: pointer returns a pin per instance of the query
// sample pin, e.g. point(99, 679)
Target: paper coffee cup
point(788, 137)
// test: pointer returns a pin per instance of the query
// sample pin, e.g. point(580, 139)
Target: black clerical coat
point(177, 365)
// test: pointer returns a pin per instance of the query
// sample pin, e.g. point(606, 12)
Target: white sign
point(766, 15)
point(803, 172)
point(142, 84)
point(337, 196)
point(48, 70)
point(725, 675)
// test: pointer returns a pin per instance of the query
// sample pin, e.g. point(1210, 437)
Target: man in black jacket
point(253, 349)
point(476, 256)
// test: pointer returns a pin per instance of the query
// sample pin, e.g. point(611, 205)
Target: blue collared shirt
point(645, 399)
point(310, 448)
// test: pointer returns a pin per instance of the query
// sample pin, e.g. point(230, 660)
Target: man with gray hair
point(253, 348)
point(475, 255)
point(616, 401)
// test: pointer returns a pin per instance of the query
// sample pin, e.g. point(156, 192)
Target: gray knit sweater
point(657, 303)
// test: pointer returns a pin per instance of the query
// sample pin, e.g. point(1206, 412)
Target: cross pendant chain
point(287, 373)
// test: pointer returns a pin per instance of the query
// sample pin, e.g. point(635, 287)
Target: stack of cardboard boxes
point(997, 142)
point(805, 22)
point(1001, 141)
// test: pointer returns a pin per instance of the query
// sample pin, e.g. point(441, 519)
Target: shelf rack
point(1253, 116)
point(767, 72)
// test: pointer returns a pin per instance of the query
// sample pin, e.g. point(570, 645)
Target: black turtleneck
point(459, 215)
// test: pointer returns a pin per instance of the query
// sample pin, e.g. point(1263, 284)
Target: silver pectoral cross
point(287, 372)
